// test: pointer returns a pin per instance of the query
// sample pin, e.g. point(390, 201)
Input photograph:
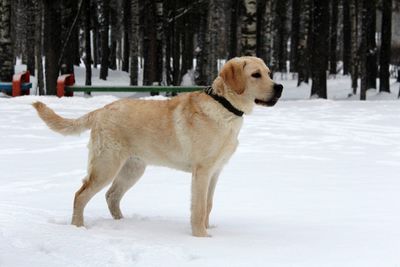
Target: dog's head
point(247, 79)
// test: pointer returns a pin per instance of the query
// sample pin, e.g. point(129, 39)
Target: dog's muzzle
point(278, 88)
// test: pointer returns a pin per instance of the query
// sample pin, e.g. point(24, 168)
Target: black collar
point(223, 101)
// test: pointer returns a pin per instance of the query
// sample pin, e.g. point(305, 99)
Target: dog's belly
point(184, 158)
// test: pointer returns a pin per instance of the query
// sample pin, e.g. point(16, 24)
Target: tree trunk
point(201, 50)
point(248, 38)
point(88, 49)
point(372, 67)
point(215, 8)
point(127, 29)
point(355, 59)
point(104, 14)
point(159, 39)
point(264, 30)
point(30, 37)
point(304, 42)
point(95, 23)
point(150, 44)
point(346, 37)
point(176, 52)
point(187, 50)
point(319, 35)
point(38, 47)
point(364, 45)
point(52, 43)
point(6, 44)
point(384, 57)
point(68, 13)
point(114, 30)
point(333, 36)
point(134, 42)
point(280, 46)
point(169, 10)
point(233, 42)
point(294, 40)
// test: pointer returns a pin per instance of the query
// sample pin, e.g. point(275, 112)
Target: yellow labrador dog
point(194, 132)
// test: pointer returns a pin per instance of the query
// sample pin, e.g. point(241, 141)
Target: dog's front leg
point(200, 182)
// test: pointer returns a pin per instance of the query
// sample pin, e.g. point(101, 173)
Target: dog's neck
point(242, 103)
point(223, 101)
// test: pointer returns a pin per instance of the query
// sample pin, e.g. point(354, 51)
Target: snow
point(313, 183)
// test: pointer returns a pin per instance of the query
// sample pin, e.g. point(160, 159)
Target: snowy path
point(313, 183)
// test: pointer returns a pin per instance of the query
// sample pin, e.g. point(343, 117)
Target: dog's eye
point(256, 75)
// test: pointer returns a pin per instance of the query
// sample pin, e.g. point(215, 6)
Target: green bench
point(66, 87)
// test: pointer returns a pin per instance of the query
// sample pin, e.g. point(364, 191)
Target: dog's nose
point(278, 89)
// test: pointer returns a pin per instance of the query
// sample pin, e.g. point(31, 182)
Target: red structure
point(62, 81)
point(21, 84)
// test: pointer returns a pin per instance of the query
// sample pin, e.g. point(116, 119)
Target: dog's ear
point(233, 76)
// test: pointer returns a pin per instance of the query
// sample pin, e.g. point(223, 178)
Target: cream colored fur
point(191, 132)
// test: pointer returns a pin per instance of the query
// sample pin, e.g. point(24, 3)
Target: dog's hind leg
point(129, 174)
point(103, 167)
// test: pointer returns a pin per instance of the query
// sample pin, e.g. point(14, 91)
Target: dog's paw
point(200, 232)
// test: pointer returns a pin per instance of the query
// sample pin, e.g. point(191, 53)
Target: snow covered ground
point(313, 183)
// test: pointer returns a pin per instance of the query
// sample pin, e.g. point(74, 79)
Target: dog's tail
point(62, 125)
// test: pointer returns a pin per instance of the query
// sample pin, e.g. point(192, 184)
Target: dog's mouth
point(268, 103)
point(277, 94)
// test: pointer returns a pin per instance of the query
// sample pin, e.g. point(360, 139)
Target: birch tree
point(248, 40)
